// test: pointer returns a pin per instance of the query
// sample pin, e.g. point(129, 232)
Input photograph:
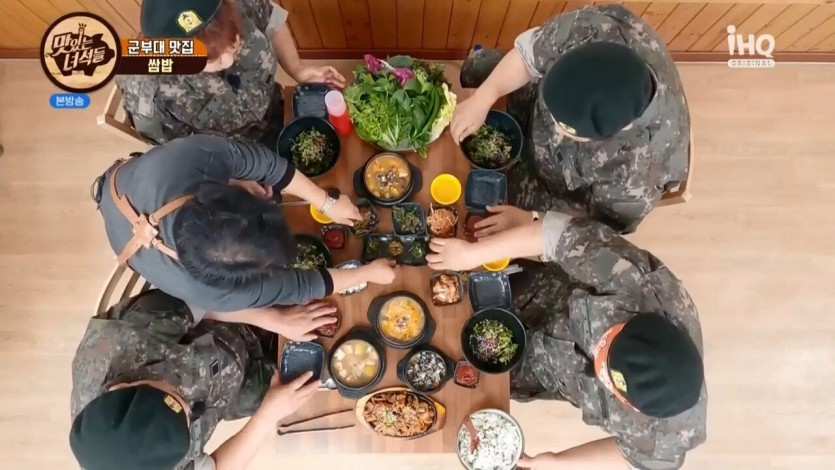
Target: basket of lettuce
point(400, 104)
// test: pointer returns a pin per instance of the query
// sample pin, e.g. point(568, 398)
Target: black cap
point(134, 428)
point(597, 89)
point(177, 18)
point(656, 366)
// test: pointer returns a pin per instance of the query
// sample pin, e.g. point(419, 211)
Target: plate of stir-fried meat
point(400, 413)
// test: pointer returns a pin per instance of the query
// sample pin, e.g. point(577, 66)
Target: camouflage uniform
point(593, 280)
point(618, 180)
point(242, 101)
point(217, 368)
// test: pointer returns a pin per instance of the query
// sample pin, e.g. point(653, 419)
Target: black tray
point(359, 187)
point(381, 252)
point(460, 288)
point(366, 334)
point(398, 230)
point(374, 315)
point(439, 206)
point(309, 100)
point(300, 357)
point(490, 290)
point(401, 369)
point(485, 188)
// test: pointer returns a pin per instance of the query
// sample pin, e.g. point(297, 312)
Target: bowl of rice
point(500, 441)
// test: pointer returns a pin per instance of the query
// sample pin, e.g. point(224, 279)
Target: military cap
point(656, 366)
point(177, 18)
point(133, 428)
point(596, 89)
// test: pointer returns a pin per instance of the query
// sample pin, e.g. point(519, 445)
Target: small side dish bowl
point(318, 216)
point(498, 265)
point(445, 189)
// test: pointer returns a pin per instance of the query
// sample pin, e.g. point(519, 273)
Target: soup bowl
point(375, 170)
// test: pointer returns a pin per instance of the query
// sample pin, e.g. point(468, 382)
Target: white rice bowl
point(500, 441)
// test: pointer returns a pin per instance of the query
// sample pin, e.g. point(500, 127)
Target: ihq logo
point(758, 48)
point(80, 52)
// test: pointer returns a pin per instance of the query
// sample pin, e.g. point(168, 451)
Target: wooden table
point(493, 391)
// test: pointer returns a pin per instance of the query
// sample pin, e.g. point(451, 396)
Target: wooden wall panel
point(356, 22)
point(447, 29)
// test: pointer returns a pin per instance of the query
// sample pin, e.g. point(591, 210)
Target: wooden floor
point(755, 248)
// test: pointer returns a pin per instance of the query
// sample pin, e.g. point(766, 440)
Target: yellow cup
point(445, 189)
point(497, 265)
point(318, 216)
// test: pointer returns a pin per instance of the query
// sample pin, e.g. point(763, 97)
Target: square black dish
point(442, 221)
point(408, 218)
point(309, 100)
point(370, 218)
point(298, 358)
point(379, 246)
point(446, 288)
point(490, 290)
point(485, 188)
point(415, 250)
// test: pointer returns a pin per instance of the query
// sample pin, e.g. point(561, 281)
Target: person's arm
point(237, 452)
point(285, 48)
point(510, 75)
point(302, 187)
point(603, 454)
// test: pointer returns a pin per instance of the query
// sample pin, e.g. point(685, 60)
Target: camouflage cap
point(141, 428)
point(177, 18)
point(597, 89)
point(656, 366)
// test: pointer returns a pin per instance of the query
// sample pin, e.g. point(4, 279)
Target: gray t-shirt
point(169, 171)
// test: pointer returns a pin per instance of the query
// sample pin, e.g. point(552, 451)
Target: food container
point(307, 244)
point(445, 189)
point(378, 246)
point(365, 207)
point(318, 216)
point(485, 188)
point(496, 266)
point(404, 250)
point(415, 249)
point(510, 322)
point(501, 441)
point(416, 358)
point(504, 123)
point(366, 179)
point(366, 335)
point(329, 331)
point(437, 291)
point(352, 264)
point(334, 236)
point(438, 414)
point(295, 128)
point(473, 217)
point(449, 233)
point(490, 290)
point(309, 100)
point(413, 208)
point(466, 375)
point(297, 358)
point(387, 314)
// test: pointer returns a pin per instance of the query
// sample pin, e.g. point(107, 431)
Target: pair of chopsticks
point(291, 428)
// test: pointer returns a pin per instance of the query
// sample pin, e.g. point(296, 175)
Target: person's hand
point(282, 400)
point(502, 218)
point(468, 117)
point(344, 211)
point(261, 191)
point(381, 271)
point(326, 74)
point(451, 254)
point(298, 322)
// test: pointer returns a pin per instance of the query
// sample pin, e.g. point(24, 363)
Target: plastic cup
point(445, 189)
point(497, 265)
point(335, 103)
point(319, 216)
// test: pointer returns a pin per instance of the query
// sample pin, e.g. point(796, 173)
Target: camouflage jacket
point(612, 280)
point(164, 107)
point(215, 367)
point(618, 180)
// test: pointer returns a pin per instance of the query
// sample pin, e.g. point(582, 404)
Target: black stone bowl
point(509, 320)
point(302, 124)
point(504, 123)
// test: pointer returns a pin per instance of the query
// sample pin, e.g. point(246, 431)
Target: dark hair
point(222, 32)
point(228, 238)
